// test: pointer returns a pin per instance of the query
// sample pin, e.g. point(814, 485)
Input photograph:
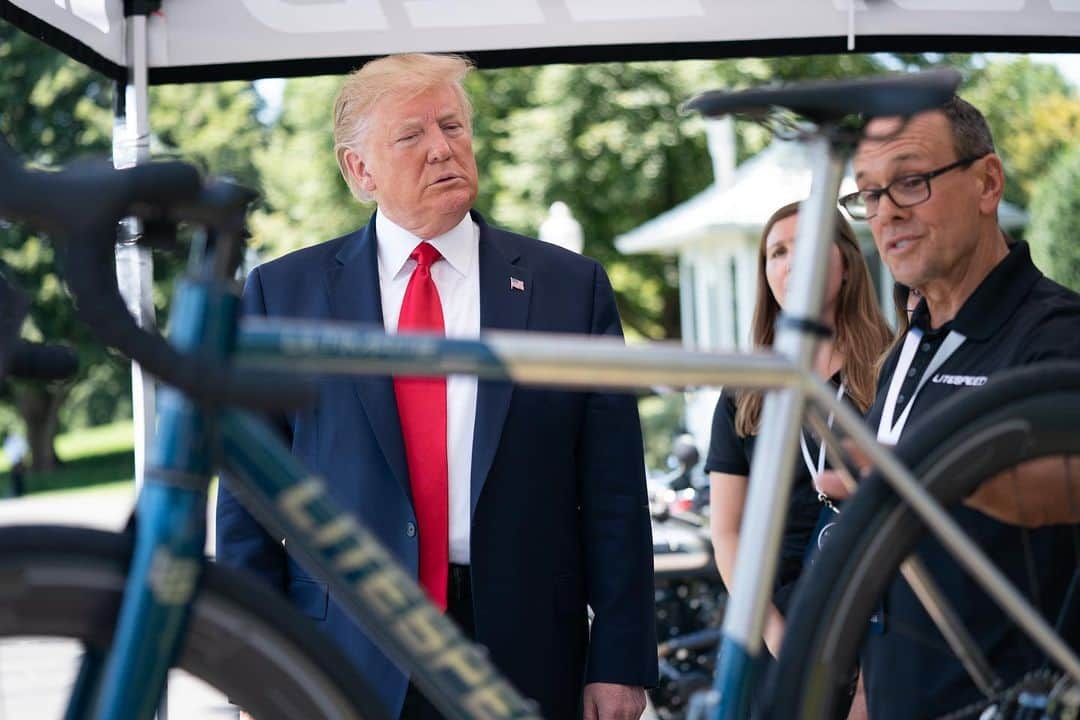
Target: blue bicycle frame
point(171, 532)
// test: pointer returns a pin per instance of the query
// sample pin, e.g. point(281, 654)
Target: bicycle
point(145, 600)
point(1020, 417)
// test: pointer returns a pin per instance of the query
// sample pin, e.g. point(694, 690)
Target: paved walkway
point(106, 509)
point(36, 674)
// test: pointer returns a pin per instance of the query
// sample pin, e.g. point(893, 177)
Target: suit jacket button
point(410, 529)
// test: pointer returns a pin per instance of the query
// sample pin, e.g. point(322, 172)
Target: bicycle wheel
point(1026, 415)
point(243, 639)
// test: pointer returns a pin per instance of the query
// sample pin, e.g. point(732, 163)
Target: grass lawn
point(94, 456)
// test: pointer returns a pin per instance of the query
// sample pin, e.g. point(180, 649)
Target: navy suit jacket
point(559, 510)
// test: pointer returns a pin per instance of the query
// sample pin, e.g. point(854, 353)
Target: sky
point(1069, 65)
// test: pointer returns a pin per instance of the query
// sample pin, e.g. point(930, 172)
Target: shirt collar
point(458, 245)
point(994, 301)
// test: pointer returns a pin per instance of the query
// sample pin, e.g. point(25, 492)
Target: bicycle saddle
point(831, 100)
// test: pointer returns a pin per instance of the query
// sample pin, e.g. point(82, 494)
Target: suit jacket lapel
point(353, 287)
point(502, 307)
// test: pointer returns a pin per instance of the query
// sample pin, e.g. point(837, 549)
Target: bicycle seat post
point(798, 332)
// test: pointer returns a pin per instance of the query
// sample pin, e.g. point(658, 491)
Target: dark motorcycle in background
point(690, 597)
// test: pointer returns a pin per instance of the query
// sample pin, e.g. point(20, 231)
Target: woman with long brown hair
point(848, 359)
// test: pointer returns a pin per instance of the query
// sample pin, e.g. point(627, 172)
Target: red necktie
point(421, 405)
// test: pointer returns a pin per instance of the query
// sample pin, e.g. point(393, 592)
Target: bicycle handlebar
point(80, 207)
point(37, 361)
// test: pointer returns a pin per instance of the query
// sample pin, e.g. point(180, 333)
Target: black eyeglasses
point(904, 192)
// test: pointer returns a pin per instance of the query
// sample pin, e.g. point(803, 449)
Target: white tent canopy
point(214, 40)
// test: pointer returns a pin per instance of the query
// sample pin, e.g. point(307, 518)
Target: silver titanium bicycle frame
point(301, 346)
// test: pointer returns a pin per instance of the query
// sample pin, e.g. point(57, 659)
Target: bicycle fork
point(170, 535)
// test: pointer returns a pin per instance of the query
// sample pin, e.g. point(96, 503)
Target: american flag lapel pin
point(516, 284)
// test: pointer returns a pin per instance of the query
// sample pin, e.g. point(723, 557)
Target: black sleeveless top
point(731, 454)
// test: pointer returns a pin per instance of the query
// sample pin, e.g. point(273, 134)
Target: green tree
point(608, 139)
point(611, 141)
point(306, 199)
point(56, 110)
point(1054, 233)
point(1033, 112)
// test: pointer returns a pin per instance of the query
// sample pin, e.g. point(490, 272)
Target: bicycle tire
point(242, 639)
point(1021, 415)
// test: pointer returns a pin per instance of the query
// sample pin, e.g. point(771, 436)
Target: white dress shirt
point(457, 278)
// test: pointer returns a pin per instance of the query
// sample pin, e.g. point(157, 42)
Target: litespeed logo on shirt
point(969, 380)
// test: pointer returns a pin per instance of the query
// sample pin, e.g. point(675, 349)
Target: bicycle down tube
point(774, 455)
point(453, 673)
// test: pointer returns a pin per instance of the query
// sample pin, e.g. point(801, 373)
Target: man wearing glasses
point(930, 191)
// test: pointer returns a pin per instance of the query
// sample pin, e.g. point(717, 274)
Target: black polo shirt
point(1015, 317)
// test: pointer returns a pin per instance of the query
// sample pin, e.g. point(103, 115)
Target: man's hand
point(608, 701)
point(831, 482)
point(1033, 494)
point(858, 709)
point(774, 630)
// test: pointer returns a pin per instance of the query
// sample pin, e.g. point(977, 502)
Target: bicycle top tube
point(560, 360)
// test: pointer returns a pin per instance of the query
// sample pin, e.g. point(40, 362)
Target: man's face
point(923, 243)
point(417, 161)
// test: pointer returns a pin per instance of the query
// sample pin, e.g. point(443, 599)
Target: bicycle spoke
point(950, 625)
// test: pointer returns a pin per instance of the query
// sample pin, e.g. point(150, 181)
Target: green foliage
point(211, 125)
point(306, 198)
point(661, 420)
point(98, 470)
point(91, 457)
point(1033, 112)
point(1054, 233)
point(608, 140)
point(55, 110)
point(214, 127)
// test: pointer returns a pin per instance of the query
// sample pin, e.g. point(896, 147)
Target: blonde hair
point(861, 333)
point(403, 75)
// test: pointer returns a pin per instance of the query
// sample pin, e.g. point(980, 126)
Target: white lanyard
point(815, 471)
point(889, 430)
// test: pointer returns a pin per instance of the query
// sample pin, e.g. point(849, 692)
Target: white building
point(715, 236)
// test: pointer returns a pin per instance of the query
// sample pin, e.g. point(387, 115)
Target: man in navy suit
point(515, 507)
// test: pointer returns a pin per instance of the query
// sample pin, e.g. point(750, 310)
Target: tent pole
point(135, 264)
